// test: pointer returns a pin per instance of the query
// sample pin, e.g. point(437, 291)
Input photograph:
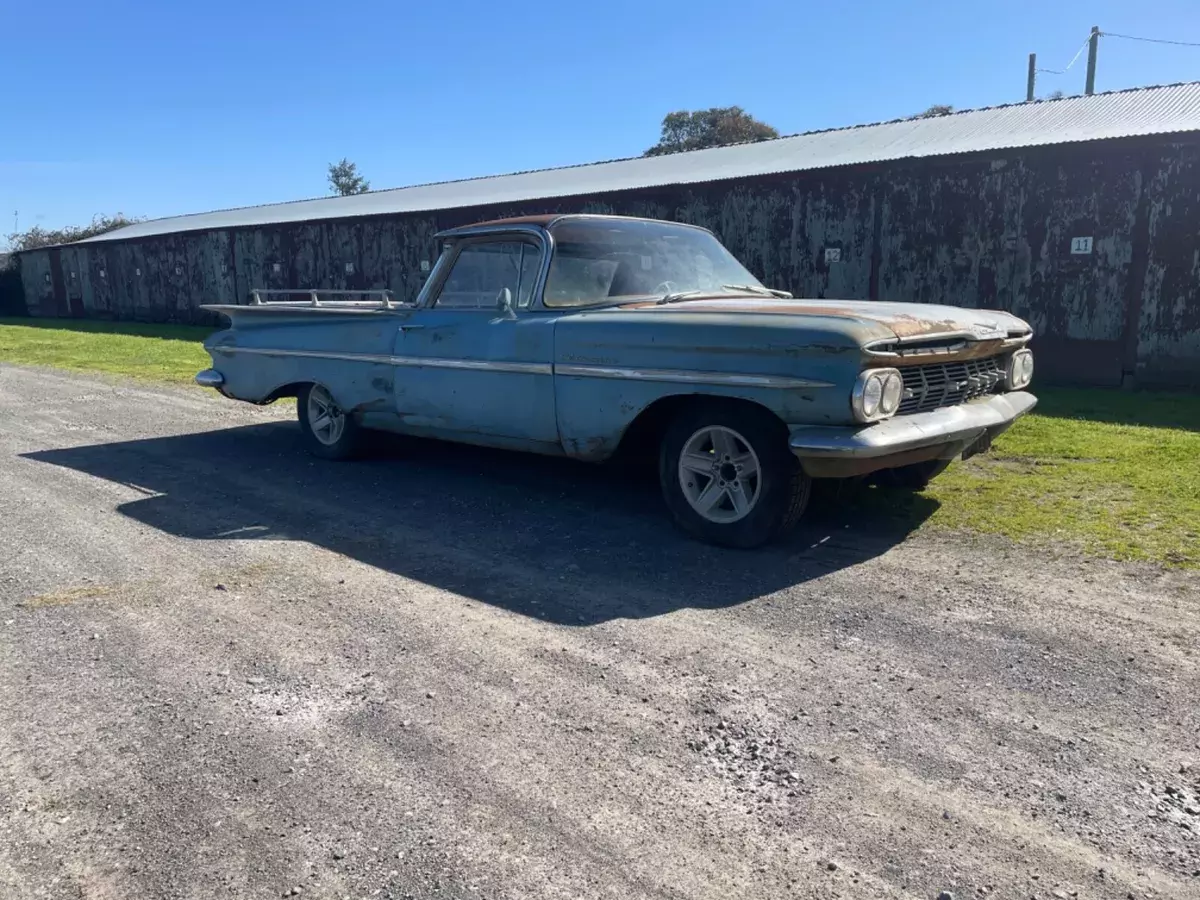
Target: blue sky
point(155, 109)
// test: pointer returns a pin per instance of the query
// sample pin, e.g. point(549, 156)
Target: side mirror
point(504, 303)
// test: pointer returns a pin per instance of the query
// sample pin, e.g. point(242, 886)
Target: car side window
point(482, 270)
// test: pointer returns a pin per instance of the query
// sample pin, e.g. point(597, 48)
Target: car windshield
point(598, 261)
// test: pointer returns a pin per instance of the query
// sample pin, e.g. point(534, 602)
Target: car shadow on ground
point(559, 540)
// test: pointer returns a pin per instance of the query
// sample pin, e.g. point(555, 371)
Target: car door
point(468, 367)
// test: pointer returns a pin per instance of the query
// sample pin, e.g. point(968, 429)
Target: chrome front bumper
point(832, 451)
point(210, 378)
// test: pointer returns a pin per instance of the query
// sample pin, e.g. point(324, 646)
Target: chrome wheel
point(325, 419)
point(719, 474)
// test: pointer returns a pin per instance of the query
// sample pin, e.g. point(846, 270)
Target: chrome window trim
point(505, 234)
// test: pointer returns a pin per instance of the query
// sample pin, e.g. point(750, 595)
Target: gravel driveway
point(229, 670)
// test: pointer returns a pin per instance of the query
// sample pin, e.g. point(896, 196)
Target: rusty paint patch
point(903, 323)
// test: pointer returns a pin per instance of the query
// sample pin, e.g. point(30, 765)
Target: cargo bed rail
point(373, 299)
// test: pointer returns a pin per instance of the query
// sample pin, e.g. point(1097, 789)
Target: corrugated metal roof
point(1154, 110)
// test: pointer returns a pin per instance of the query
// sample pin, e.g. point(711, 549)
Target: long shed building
point(1081, 214)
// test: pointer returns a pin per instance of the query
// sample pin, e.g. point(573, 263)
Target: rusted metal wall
point(990, 230)
point(1165, 314)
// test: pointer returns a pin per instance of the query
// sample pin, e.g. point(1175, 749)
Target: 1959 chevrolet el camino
point(580, 335)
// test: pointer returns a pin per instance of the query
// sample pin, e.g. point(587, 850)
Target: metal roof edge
point(117, 234)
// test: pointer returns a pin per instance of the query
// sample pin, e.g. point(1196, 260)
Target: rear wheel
point(329, 431)
point(728, 476)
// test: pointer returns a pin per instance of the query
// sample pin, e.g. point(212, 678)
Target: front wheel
point(728, 476)
point(329, 431)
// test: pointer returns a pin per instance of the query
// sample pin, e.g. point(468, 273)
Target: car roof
point(545, 220)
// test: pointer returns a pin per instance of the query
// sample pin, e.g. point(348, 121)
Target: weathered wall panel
point(36, 281)
point(1168, 324)
point(990, 230)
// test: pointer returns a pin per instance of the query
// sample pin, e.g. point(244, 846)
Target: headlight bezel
point(859, 399)
point(1018, 371)
point(893, 387)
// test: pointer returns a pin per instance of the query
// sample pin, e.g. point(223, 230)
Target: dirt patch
point(68, 596)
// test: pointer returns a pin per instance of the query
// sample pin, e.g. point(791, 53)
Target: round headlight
point(893, 390)
point(1019, 371)
point(872, 396)
point(877, 394)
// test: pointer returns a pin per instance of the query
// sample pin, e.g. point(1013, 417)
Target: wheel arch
point(640, 441)
point(292, 389)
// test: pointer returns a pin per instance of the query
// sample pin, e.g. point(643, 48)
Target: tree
point(716, 127)
point(345, 180)
point(1055, 95)
point(48, 237)
point(938, 109)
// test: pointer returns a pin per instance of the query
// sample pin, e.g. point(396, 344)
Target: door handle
point(404, 328)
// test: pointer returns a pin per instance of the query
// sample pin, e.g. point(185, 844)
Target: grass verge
point(1113, 473)
point(170, 353)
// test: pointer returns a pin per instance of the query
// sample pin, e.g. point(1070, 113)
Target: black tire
point(348, 443)
point(782, 487)
point(915, 477)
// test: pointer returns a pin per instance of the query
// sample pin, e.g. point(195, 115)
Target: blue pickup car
point(584, 335)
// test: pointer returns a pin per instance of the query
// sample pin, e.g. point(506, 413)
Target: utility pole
point(1031, 78)
point(1093, 46)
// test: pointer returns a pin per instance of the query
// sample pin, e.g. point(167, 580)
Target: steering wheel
point(666, 287)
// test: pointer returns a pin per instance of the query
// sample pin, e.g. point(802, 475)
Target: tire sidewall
point(779, 474)
point(345, 447)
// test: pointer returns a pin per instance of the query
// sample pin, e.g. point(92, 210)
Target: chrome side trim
point(378, 359)
point(518, 368)
point(680, 376)
point(483, 365)
point(684, 376)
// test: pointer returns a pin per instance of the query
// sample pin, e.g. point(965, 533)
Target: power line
point(1130, 37)
point(1078, 53)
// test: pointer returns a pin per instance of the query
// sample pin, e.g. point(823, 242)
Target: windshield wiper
point(759, 289)
point(674, 296)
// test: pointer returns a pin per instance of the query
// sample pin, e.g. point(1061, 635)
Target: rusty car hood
point(905, 320)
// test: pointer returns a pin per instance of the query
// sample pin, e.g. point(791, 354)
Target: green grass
point(1109, 472)
point(170, 353)
point(1112, 473)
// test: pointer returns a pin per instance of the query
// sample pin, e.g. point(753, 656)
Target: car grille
point(948, 384)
